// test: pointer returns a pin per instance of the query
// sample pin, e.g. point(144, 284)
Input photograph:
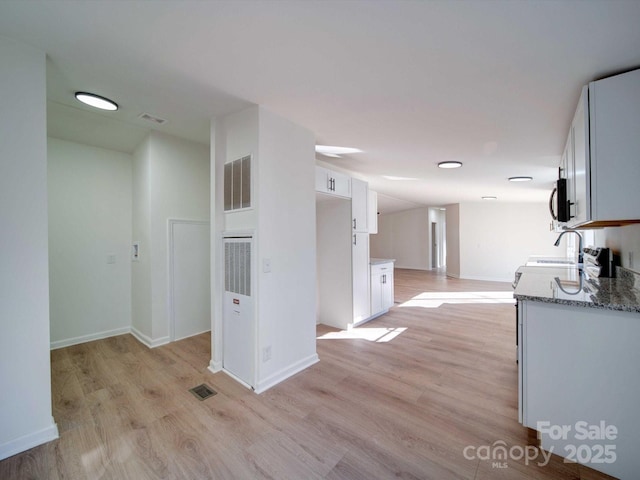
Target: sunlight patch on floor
point(436, 299)
point(379, 335)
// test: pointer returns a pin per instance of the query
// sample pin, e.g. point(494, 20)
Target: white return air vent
point(237, 184)
point(237, 263)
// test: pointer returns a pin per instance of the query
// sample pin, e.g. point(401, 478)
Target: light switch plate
point(266, 265)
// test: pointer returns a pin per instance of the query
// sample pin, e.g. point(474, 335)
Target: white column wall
point(179, 188)
point(283, 219)
point(286, 236)
point(170, 181)
point(25, 368)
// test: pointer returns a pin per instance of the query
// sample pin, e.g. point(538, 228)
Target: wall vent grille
point(237, 184)
point(237, 262)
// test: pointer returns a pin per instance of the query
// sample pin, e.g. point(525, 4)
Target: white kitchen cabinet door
point(382, 290)
point(603, 167)
point(360, 276)
point(359, 211)
point(387, 289)
point(332, 183)
point(376, 292)
point(578, 160)
point(578, 365)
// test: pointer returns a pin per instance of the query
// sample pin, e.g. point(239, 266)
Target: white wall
point(403, 236)
point(334, 261)
point(25, 376)
point(452, 232)
point(141, 320)
point(287, 236)
point(89, 219)
point(496, 238)
point(622, 241)
point(283, 217)
point(171, 181)
point(179, 190)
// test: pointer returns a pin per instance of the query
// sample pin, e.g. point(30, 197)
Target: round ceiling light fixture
point(520, 179)
point(96, 101)
point(450, 164)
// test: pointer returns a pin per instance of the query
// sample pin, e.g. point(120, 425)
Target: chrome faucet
point(580, 259)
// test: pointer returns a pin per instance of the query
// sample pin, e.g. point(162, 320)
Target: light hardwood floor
point(403, 408)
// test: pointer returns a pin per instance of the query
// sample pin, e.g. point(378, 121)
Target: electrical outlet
point(266, 354)
point(111, 259)
point(631, 260)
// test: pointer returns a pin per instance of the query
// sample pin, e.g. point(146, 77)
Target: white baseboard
point(149, 342)
point(89, 338)
point(215, 366)
point(285, 373)
point(239, 380)
point(487, 279)
point(28, 441)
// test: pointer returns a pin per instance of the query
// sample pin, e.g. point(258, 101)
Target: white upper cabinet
point(359, 210)
point(333, 183)
point(604, 159)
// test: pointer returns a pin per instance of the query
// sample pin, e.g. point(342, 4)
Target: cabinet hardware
point(354, 224)
point(355, 241)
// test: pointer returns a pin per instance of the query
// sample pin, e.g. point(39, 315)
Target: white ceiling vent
point(151, 118)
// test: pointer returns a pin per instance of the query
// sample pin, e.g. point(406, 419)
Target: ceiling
point(492, 84)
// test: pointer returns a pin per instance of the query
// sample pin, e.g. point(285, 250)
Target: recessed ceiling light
point(520, 179)
point(489, 198)
point(450, 164)
point(330, 151)
point(96, 101)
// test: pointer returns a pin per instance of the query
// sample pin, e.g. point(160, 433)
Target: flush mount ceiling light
point(450, 164)
point(330, 151)
point(520, 179)
point(489, 198)
point(96, 101)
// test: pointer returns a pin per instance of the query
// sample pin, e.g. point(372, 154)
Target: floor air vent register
point(202, 392)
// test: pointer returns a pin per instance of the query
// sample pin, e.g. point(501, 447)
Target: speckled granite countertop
point(569, 286)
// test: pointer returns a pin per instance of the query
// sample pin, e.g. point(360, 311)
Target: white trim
point(30, 440)
point(149, 342)
point(214, 366)
point(486, 279)
point(238, 379)
point(191, 335)
point(285, 373)
point(89, 338)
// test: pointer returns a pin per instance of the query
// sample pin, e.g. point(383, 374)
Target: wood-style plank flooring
point(402, 402)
